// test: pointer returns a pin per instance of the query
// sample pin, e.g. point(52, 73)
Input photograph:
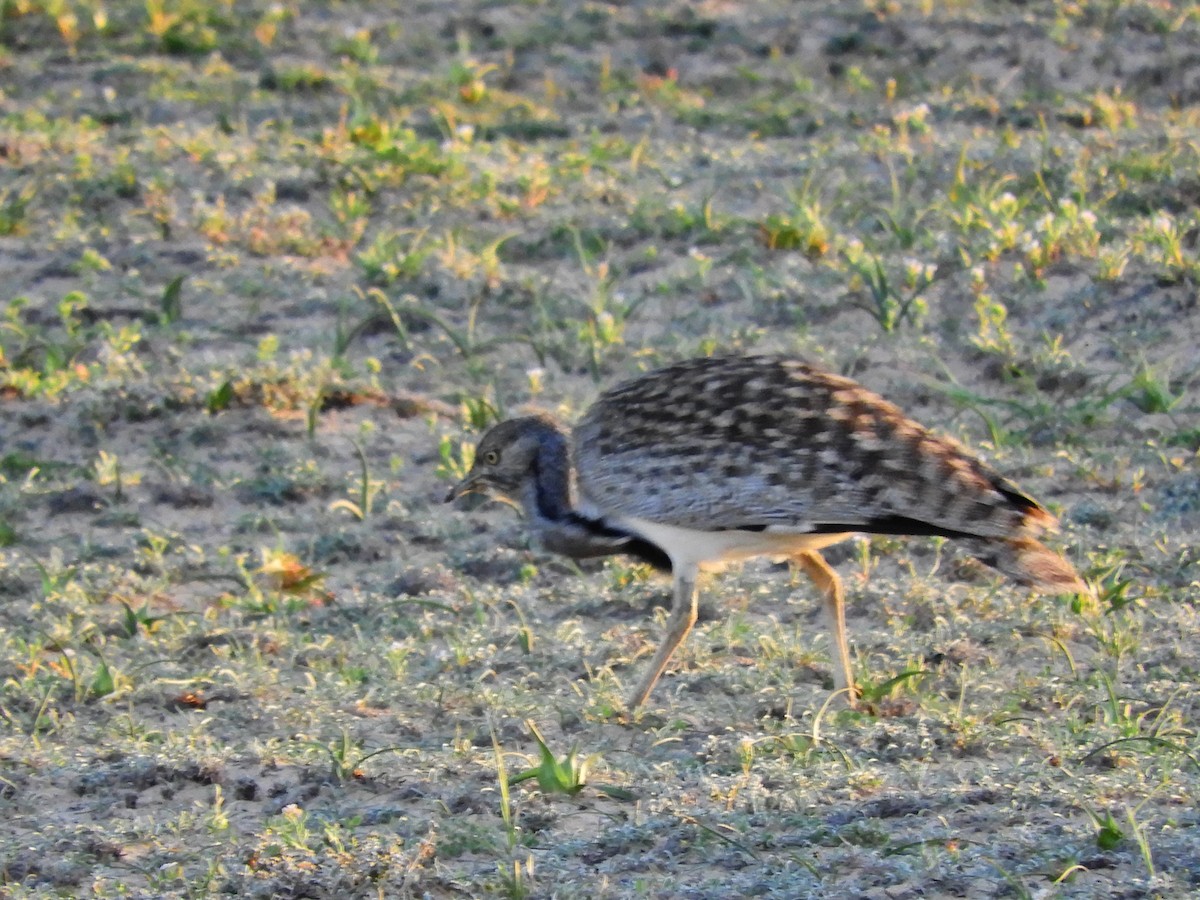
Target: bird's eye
point(491, 457)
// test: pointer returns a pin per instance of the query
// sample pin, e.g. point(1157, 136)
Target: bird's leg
point(830, 586)
point(683, 617)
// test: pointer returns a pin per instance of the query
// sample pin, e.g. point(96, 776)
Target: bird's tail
point(1030, 563)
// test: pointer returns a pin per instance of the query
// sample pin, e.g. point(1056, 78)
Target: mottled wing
point(771, 443)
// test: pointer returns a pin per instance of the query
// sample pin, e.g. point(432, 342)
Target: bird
point(724, 458)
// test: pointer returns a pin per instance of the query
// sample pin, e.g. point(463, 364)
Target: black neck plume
point(553, 495)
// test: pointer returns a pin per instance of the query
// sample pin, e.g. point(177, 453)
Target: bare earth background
point(269, 268)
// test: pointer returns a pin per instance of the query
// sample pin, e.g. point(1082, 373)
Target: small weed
point(466, 262)
point(346, 756)
point(1112, 111)
point(516, 875)
point(13, 207)
point(506, 811)
point(804, 231)
point(170, 304)
point(1112, 589)
point(284, 573)
point(358, 46)
point(55, 577)
point(518, 883)
point(698, 225)
point(1067, 230)
point(889, 303)
point(479, 412)
point(806, 227)
point(1161, 240)
point(107, 472)
point(189, 27)
point(135, 621)
point(469, 78)
point(992, 334)
point(1151, 393)
point(302, 78)
point(368, 489)
point(399, 147)
point(456, 459)
point(606, 313)
point(873, 693)
point(219, 398)
point(43, 361)
point(103, 681)
point(1109, 835)
point(393, 256)
point(351, 210)
point(556, 776)
point(100, 682)
point(1111, 262)
point(292, 828)
point(263, 228)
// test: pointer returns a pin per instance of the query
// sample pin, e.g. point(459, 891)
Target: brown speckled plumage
point(754, 442)
point(718, 459)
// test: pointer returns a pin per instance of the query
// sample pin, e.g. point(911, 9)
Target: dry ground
point(227, 581)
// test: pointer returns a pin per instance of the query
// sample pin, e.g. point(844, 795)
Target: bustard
point(714, 460)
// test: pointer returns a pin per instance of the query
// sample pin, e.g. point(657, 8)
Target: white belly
point(689, 548)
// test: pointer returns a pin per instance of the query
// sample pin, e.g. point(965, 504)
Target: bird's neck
point(548, 495)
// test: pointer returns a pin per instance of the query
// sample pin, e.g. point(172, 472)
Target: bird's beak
point(468, 485)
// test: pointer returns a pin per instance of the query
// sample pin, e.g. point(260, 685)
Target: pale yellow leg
point(830, 586)
point(683, 617)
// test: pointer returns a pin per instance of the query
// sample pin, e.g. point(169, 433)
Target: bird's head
point(508, 457)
